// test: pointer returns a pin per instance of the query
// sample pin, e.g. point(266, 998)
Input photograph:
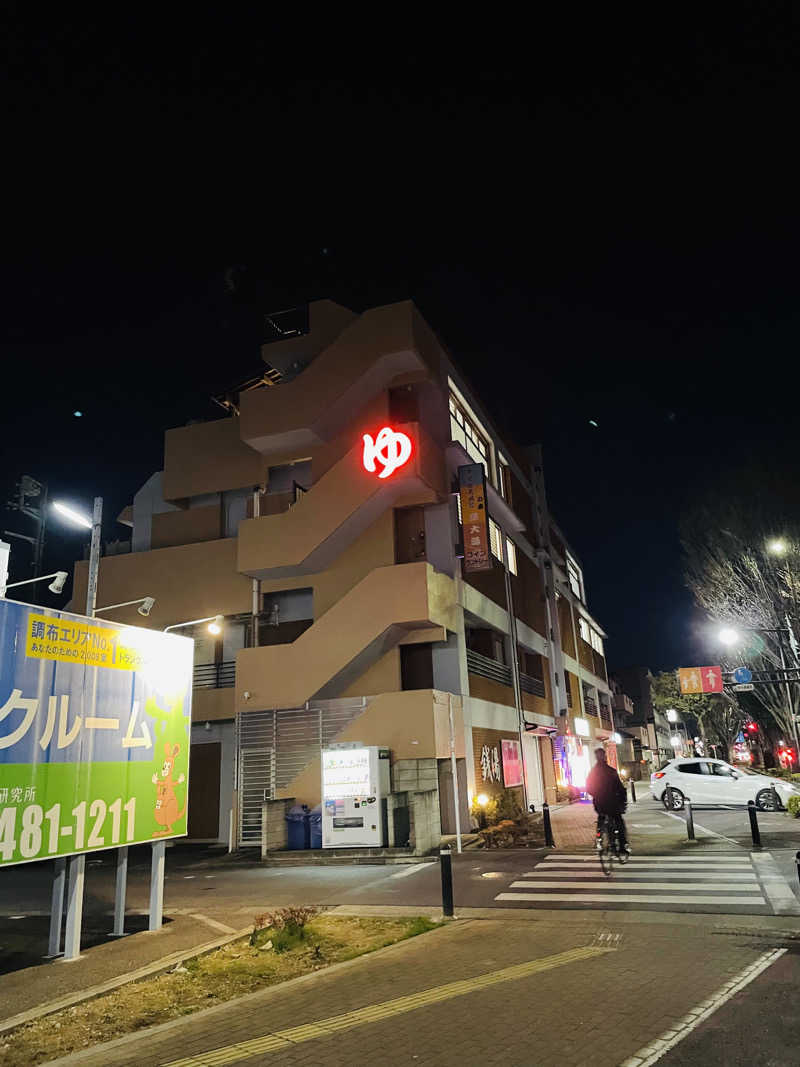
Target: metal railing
point(529, 684)
point(215, 675)
point(590, 705)
point(488, 668)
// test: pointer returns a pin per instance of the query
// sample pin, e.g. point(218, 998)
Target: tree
point(719, 717)
point(740, 584)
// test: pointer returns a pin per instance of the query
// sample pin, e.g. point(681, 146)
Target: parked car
point(712, 781)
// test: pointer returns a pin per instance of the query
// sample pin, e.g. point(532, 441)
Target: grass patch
point(240, 967)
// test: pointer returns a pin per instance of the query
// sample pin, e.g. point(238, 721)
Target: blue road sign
point(742, 675)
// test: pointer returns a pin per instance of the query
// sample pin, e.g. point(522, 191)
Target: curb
point(75, 1058)
point(166, 963)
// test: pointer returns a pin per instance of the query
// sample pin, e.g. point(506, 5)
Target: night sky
point(601, 224)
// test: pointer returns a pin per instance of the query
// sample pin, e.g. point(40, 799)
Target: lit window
point(575, 578)
point(502, 475)
point(597, 642)
point(465, 428)
point(511, 554)
point(495, 539)
point(583, 628)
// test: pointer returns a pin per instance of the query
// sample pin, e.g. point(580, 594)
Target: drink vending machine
point(355, 781)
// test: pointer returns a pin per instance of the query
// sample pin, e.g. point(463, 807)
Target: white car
point(712, 781)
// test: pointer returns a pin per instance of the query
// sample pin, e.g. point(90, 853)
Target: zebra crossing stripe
point(628, 898)
point(732, 887)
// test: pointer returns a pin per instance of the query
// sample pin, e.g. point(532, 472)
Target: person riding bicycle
point(609, 797)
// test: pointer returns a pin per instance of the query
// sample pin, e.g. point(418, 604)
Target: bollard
point(689, 819)
point(548, 829)
point(446, 863)
point(776, 800)
point(751, 811)
point(797, 861)
point(633, 792)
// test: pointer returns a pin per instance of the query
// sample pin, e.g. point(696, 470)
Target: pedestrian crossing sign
point(690, 680)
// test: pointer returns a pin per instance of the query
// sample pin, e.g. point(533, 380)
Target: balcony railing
point(529, 684)
point(488, 668)
point(215, 675)
point(590, 705)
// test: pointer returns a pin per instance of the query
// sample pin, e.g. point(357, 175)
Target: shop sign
point(490, 764)
point(94, 733)
point(390, 448)
point(474, 517)
point(582, 728)
point(512, 762)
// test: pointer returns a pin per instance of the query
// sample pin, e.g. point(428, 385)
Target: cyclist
point(609, 797)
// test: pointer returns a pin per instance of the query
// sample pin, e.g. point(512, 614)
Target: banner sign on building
point(512, 762)
point(94, 733)
point(474, 517)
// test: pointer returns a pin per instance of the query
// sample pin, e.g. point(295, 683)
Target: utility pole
point(29, 489)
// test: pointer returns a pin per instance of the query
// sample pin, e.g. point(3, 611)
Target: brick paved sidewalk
point(540, 1013)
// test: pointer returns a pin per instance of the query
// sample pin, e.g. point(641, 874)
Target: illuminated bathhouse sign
point(390, 448)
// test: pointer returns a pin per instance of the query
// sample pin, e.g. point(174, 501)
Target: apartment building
point(321, 516)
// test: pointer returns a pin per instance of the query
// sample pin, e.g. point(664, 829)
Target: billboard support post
point(120, 887)
point(72, 934)
point(56, 908)
point(157, 885)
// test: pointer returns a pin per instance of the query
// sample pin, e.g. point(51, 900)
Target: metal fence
point(215, 675)
point(488, 668)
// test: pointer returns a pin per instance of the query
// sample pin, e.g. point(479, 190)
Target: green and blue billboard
point(95, 722)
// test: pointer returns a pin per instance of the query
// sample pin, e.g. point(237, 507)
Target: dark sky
point(600, 220)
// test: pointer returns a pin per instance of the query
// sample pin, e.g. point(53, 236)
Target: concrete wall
point(414, 775)
point(426, 821)
point(147, 502)
point(209, 457)
point(186, 527)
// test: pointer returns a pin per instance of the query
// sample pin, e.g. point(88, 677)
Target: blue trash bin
point(297, 826)
point(315, 819)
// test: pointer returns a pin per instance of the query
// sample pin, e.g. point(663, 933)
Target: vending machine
point(355, 781)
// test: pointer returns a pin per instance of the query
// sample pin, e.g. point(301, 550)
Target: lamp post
point(77, 864)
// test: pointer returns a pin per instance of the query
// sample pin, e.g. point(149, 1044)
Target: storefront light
point(582, 728)
point(616, 738)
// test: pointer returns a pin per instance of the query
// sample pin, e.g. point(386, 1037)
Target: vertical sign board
point(512, 762)
point(474, 517)
point(94, 734)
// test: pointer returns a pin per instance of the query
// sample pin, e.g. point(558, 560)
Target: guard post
point(754, 832)
point(548, 829)
point(446, 864)
point(689, 820)
point(633, 792)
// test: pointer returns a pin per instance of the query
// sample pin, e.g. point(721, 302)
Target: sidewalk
point(650, 829)
point(481, 991)
point(25, 990)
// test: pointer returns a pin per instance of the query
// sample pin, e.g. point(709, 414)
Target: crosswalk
point(712, 882)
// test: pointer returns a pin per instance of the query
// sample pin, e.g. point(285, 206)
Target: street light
point(728, 636)
point(777, 546)
point(672, 715)
point(74, 516)
point(215, 624)
point(145, 605)
point(56, 586)
point(93, 523)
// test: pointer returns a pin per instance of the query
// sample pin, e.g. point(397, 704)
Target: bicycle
point(608, 846)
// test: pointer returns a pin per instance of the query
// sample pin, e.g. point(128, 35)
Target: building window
point(495, 540)
point(583, 629)
point(575, 578)
point(470, 434)
point(511, 553)
point(597, 642)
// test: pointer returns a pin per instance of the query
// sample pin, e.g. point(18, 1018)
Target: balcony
point(529, 684)
point(590, 706)
point(485, 667)
point(215, 675)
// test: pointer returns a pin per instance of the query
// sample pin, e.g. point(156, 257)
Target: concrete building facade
point(349, 615)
